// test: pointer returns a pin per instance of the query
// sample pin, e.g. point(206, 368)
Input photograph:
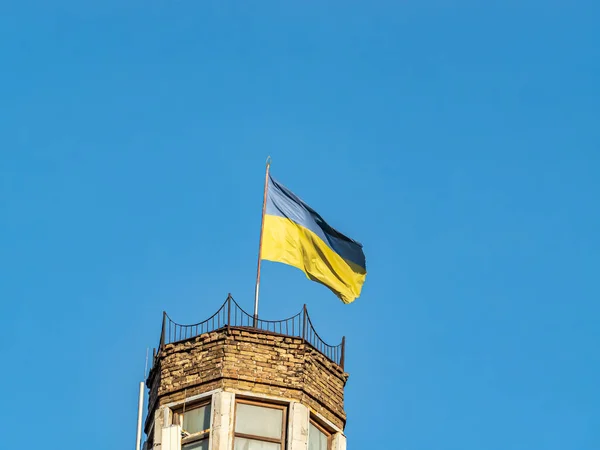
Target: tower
point(233, 382)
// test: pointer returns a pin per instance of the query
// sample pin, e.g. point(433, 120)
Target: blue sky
point(458, 141)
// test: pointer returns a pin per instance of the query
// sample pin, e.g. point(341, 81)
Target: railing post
point(304, 322)
point(228, 312)
point(343, 357)
point(162, 333)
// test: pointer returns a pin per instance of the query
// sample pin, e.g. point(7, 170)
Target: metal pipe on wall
point(138, 440)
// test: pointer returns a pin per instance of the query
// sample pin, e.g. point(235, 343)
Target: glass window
point(252, 444)
point(197, 445)
point(259, 421)
point(195, 426)
point(259, 426)
point(196, 420)
point(318, 438)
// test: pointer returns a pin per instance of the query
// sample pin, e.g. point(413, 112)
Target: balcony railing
point(231, 315)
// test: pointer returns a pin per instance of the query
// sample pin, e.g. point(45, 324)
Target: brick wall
point(249, 360)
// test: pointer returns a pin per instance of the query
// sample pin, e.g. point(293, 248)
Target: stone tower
point(235, 383)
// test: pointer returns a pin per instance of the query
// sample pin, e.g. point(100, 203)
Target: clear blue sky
point(458, 141)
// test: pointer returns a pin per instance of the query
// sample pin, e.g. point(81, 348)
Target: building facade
point(235, 383)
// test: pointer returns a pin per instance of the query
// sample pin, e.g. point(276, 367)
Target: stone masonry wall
point(249, 360)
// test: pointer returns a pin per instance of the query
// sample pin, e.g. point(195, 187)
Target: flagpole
point(262, 225)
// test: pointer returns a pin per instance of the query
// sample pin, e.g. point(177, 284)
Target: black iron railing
point(231, 315)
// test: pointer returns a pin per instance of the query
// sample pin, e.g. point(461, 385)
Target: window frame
point(263, 404)
point(319, 426)
point(178, 420)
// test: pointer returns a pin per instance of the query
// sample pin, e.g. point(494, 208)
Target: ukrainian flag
point(295, 234)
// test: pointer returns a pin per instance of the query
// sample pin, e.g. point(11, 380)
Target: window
point(259, 426)
point(195, 426)
point(318, 437)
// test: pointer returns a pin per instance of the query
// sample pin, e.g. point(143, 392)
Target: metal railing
point(231, 315)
